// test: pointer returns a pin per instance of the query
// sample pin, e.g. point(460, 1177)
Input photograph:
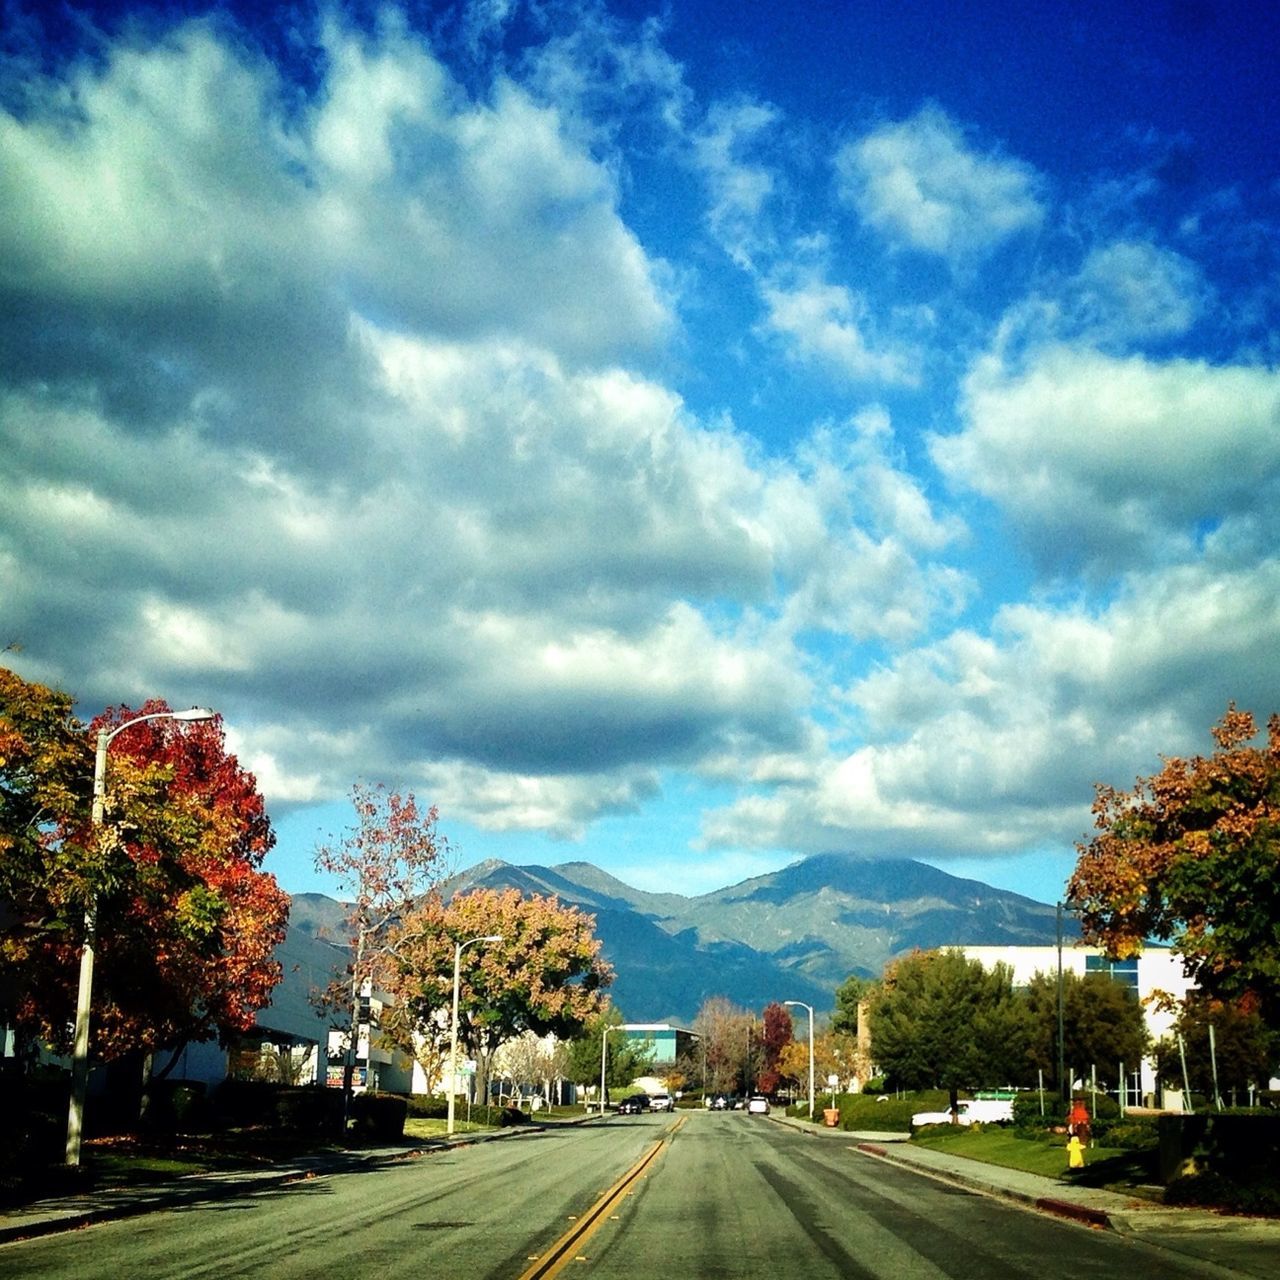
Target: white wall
point(1159, 973)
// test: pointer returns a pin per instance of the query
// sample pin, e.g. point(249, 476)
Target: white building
point(1156, 972)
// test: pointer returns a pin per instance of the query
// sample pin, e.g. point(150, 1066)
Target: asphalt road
point(709, 1195)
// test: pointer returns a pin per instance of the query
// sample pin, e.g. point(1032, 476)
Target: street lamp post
point(84, 992)
point(800, 1004)
point(1070, 905)
point(604, 1057)
point(458, 949)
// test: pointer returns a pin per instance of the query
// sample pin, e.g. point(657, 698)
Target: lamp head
point(193, 713)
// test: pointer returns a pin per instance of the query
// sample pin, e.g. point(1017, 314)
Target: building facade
point(1154, 974)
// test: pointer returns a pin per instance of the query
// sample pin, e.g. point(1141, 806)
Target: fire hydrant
point(1075, 1153)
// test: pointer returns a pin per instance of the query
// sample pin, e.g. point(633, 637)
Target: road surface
point(703, 1195)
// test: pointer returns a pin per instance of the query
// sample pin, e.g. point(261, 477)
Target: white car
point(661, 1102)
point(971, 1111)
point(758, 1106)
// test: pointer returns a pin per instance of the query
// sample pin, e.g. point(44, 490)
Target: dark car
point(634, 1105)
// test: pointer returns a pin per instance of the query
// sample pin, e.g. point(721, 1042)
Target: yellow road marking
point(563, 1252)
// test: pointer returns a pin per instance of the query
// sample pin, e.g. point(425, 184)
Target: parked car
point(758, 1105)
point(971, 1111)
point(633, 1105)
point(661, 1102)
point(720, 1103)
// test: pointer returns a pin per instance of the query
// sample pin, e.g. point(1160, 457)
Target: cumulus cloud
point(991, 742)
point(1107, 461)
point(827, 325)
point(314, 414)
point(923, 186)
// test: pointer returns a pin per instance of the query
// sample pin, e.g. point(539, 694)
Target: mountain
point(795, 934)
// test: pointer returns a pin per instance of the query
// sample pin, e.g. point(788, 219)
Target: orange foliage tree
point(1191, 857)
point(546, 975)
point(187, 920)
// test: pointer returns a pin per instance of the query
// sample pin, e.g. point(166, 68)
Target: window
point(1124, 972)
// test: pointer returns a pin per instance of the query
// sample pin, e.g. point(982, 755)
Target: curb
point(1085, 1214)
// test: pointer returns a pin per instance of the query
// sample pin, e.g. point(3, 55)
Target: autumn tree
point(1103, 1025)
point(776, 1034)
point(943, 1021)
point(833, 1055)
point(1191, 857)
point(545, 976)
point(1243, 1048)
point(383, 866)
point(730, 1043)
point(46, 764)
point(187, 920)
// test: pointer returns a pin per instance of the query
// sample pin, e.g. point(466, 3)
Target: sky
point(682, 437)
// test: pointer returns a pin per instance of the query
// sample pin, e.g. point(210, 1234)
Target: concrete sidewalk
point(1238, 1245)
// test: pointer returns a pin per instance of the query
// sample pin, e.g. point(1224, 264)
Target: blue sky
point(682, 438)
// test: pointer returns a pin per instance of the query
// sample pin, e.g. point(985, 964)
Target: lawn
point(1043, 1154)
point(419, 1128)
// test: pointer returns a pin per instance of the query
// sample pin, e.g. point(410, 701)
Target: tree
point(852, 992)
point(385, 863)
point(833, 1055)
point(776, 1034)
point(545, 976)
point(187, 921)
point(626, 1059)
point(728, 1038)
point(1244, 1047)
point(1191, 857)
point(1102, 1025)
point(942, 1021)
point(46, 764)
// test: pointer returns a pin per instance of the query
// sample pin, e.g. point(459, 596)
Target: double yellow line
point(554, 1260)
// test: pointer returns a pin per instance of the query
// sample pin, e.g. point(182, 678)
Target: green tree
point(942, 1021)
point(1191, 857)
point(1246, 1049)
point(627, 1059)
point(849, 995)
point(1102, 1022)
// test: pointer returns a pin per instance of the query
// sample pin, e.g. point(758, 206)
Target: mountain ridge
point(796, 933)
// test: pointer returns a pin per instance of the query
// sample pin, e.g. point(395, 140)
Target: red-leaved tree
point(187, 920)
point(776, 1035)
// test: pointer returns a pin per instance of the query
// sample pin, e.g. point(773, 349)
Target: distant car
point(720, 1103)
point(972, 1111)
point(633, 1105)
point(757, 1105)
point(661, 1102)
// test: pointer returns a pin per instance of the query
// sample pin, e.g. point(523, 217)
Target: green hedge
point(305, 1110)
point(379, 1117)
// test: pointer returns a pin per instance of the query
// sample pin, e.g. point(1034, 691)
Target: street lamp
point(1070, 905)
point(84, 993)
point(458, 949)
point(800, 1004)
point(604, 1053)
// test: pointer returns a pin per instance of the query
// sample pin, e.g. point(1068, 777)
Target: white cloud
point(738, 187)
point(1105, 461)
point(919, 183)
point(827, 325)
point(980, 744)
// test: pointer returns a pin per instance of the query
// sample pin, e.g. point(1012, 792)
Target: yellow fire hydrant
point(1075, 1153)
